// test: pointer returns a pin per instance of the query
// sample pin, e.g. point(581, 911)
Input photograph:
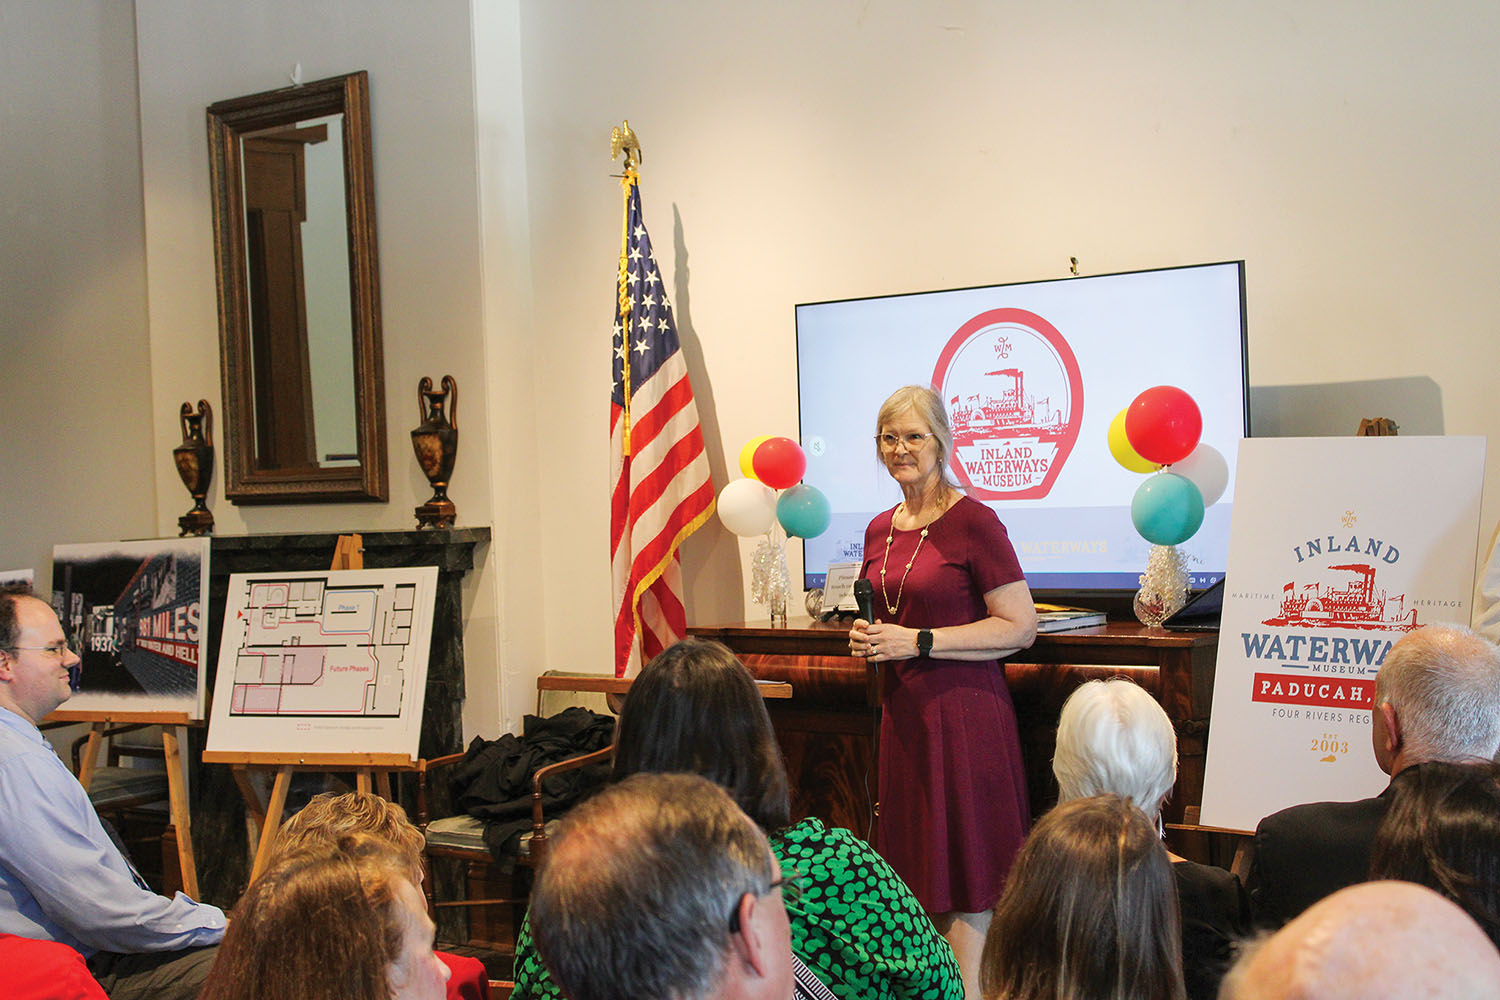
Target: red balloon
point(779, 463)
point(1163, 424)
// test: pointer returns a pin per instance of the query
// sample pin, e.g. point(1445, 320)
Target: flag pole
point(622, 291)
point(623, 139)
point(661, 486)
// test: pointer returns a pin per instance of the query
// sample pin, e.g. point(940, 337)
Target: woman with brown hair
point(854, 923)
point(1442, 830)
point(1089, 913)
point(321, 924)
point(328, 819)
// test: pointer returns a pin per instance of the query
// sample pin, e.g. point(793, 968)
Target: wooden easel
point(173, 735)
point(371, 770)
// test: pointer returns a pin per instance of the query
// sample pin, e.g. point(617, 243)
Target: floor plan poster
point(133, 611)
point(1338, 548)
point(323, 662)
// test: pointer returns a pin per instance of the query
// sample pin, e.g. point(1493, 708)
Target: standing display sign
point(1339, 547)
point(134, 613)
point(323, 663)
point(321, 671)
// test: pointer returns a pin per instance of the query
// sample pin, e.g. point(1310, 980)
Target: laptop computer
point(1201, 613)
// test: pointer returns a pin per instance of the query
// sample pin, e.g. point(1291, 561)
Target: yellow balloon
point(747, 455)
point(1119, 446)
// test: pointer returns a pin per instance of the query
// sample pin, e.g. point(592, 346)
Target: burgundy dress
point(953, 806)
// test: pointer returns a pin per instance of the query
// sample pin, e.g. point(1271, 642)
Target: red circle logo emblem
point(1014, 394)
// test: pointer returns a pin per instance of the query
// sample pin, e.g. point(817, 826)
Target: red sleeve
point(467, 979)
point(45, 970)
point(992, 559)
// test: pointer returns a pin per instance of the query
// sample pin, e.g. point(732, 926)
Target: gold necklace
point(891, 537)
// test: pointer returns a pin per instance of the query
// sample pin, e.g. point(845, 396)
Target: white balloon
point(747, 507)
point(1206, 468)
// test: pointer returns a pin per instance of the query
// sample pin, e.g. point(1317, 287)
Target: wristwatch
point(924, 642)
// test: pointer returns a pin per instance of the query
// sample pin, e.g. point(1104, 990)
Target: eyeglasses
point(889, 441)
point(56, 650)
point(791, 885)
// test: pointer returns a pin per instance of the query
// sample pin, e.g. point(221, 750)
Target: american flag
point(662, 490)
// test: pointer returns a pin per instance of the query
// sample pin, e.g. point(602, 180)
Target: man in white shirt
point(62, 878)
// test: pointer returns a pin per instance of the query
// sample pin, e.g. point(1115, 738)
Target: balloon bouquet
point(1158, 432)
point(750, 507)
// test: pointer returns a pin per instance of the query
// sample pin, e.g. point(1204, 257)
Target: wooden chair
point(135, 800)
point(460, 837)
point(115, 786)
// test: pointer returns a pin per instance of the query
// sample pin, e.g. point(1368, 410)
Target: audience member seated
point(330, 923)
point(1113, 737)
point(660, 886)
point(327, 817)
point(62, 877)
point(1375, 941)
point(1437, 698)
point(858, 927)
point(1443, 831)
point(44, 970)
point(1090, 910)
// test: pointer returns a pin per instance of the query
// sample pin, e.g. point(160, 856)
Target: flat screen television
point(1032, 374)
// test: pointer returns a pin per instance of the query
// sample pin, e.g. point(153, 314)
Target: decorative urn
point(435, 441)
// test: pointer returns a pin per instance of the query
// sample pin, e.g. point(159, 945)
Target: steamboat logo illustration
point(1356, 604)
point(1015, 402)
point(1337, 626)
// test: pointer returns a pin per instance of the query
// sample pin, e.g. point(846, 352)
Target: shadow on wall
point(711, 555)
point(1334, 409)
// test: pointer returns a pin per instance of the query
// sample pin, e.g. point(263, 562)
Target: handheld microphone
point(864, 593)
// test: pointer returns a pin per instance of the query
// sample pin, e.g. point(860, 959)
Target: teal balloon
point(1167, 509)
point(804, 511)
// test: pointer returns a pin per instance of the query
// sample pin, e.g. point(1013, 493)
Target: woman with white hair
point(1113, 737)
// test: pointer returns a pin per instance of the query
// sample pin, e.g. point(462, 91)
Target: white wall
point(419, 58)
point(792, 152)
point(75, 394)
point(797, 152)
point(513, 344)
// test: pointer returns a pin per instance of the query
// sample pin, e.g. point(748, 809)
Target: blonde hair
point(928, 406)
point(325, 922)
point(328, 818)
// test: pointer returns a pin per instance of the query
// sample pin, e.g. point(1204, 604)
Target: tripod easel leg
point(177, 796)
point(89, 762)
point(272, 821)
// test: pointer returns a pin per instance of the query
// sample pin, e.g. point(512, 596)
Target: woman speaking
point(949, 601)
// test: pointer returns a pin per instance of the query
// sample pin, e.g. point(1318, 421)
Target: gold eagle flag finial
point(622, 140)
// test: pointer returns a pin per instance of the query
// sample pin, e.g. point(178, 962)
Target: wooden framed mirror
point(299, 294)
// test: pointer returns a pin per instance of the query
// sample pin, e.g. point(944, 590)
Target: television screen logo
point(1014, 394)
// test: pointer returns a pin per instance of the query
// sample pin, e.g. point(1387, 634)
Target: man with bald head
point(1333, 951)
point(1437, 698)
point(62, 878)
